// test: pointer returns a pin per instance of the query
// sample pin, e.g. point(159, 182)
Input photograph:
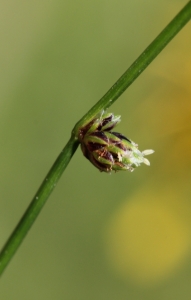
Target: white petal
point(146, 161)
point(148, 152)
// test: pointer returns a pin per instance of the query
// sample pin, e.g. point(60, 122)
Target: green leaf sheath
point(107, 100)
point(138, 66)
point(37, 203)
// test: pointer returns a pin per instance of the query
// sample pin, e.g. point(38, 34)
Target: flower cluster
point(108, 150)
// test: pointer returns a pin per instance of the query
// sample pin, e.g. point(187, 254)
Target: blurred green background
point(119, 236)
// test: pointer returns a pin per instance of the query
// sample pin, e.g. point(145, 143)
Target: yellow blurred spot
point(146, 240)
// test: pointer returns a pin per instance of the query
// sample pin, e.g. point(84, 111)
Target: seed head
point(108, 150)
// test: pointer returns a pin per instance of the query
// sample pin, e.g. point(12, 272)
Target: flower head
point(108, 150)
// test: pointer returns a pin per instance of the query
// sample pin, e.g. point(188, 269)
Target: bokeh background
point(119, 236)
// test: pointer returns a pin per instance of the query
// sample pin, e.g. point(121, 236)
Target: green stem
point(37, 203)
point(63, 159)
point(138, 66)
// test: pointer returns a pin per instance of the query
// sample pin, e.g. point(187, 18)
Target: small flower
point(103, 122)
point(108, 150)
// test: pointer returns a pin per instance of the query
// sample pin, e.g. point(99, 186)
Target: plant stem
point(37, 203)
point(138, 66)
point(63, 159)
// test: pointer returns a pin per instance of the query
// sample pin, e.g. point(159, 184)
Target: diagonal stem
point(37, 203)
point(138, 66)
